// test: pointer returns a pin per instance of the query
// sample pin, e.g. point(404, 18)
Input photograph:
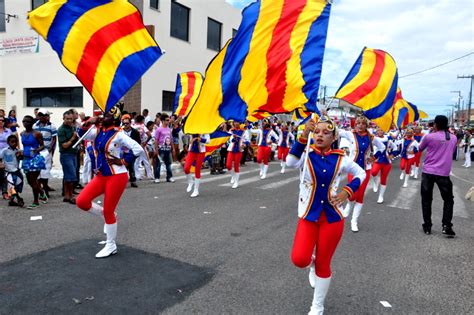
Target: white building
point(190, 31)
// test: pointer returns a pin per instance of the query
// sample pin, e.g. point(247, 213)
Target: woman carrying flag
point(418, 137)
point(285, 139)
point(362, 143)
point(195, 156)
point(383, 163)
point(407, 153)
point(266, 136)
point(111, 174)
point(321, 222)
point(237, 144)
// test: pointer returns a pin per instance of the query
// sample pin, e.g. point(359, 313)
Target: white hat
point(44, 112)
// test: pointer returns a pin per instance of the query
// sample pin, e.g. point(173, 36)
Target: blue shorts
point(69, 164)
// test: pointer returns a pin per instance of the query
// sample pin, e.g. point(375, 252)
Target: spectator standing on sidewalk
point(67, 136)
point(135, 135)
point(49, 133)
point(439, 145)
point(163, 149)
point(4, 134)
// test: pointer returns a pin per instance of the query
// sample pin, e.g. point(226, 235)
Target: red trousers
point(196, 158)
point(359, 194)
point(418, 158)
point(111, 186)
point(405, 164)
point(234, 157)
point(322, 235)
point(263, 154)
point(384, 169)
point(283, 153)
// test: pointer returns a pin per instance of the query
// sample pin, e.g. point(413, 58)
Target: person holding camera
point(439, 146)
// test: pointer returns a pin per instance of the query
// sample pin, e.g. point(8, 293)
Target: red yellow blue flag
point(404, 112)
point(371, 85)
point(217, 139)
point(423, 115)
point(188, 86)
point(272, 65)
point(103, 42)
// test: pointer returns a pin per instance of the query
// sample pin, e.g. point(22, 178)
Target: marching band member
point(196, 153)
point(236, 146)
point(362, 143)
point(416, 163)
point(266, 136)
point(383, 164)
point(285, 138)
point(408, 151)
point(111, 175)
point(321, 222)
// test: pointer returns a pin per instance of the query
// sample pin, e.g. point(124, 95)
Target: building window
point(37, 3)
point(234, 32)
point(54, 97)
point(154, 4)
point(168, 101)
point(179, 21)
point(2, 17)
point(214, 34)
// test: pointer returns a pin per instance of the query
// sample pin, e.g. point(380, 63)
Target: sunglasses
point(125, 123)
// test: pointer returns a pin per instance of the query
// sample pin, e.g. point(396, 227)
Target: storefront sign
point(19, 45)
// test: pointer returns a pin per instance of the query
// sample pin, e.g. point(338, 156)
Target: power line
point(440, 65)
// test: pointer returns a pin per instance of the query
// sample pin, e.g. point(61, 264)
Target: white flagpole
point(83, 136)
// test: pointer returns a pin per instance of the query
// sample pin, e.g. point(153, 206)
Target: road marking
point(460, 178)
point(36, 218)
point(405, 196)
point(256, 178)
point(459, 205)
point(385, 304)
point(279, 184)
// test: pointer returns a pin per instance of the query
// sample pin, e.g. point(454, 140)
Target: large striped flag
point(188, 86)
point(103, 42)
point(423, 115)
point(404, 112)
point(300, 116)
point(272, 65)
point(371, 85)
point(217, 139)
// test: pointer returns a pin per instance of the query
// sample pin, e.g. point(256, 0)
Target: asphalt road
point(227, 252)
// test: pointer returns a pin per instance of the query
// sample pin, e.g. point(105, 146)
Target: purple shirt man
point(439, 155)
point(162, 134)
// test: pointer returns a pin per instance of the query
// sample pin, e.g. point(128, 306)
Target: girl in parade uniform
point(196, 153)
point(266, 136)
point(321, 222)
point(383, 163)
point(407, 154)
point(111, 174)
point(237, 144)
point(285, 138)
point(418, 137)
point(361, 145)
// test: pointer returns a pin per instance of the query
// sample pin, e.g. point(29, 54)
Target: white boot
point(265, 170)
point(347, 209)
point(417, 169)
point(376, 183)
point(381, 193)
point(320, 291)
point(355, 216)
point(196, 188)
point(312, 272)
point(236, 180)
point(105, 232)
point(190, 182)
point(283, 167)
point(96, 209)
point(261, 169)
point(412, 171)
point(402, 175)
point(405, 184)
point(110, 247)
point(232, 179)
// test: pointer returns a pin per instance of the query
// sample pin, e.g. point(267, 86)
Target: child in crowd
point(10, 157)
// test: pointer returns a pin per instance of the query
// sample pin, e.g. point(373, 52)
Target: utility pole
point(470, 97)
point(458, 107)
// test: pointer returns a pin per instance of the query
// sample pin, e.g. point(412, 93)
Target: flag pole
point(83, 136)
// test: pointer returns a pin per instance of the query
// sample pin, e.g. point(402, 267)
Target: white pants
point(86, 169)
point(46, 173)
point(148, 170)
point(467, 156)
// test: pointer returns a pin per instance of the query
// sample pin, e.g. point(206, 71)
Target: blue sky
point(419, 34)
